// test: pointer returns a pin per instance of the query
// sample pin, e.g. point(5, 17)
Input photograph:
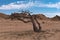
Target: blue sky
point(49, 8)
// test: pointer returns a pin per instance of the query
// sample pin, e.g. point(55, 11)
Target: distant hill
point(2, 15)
point(40, 16)
point(56, 18)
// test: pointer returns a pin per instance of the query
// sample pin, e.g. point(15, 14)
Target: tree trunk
point(33, 20)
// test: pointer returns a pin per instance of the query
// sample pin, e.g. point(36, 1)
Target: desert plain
point(18, 30)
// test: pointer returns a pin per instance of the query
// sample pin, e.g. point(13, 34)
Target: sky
point(49, 8)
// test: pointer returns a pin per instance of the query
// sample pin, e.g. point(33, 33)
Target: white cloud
point(52, 14)
point(20, 2)
point(16, 5)
point(56, 5)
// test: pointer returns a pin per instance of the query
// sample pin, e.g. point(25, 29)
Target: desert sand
point(18, 30)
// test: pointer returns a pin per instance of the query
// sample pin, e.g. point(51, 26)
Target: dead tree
point(34, 21)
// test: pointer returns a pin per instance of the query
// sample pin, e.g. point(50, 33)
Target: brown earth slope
point(56, 18)
point(2, 15)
